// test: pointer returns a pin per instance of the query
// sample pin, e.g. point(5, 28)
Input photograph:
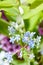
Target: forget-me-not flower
point(31, 43)
point(12, 39)
point(11, 30)
point(28, 38)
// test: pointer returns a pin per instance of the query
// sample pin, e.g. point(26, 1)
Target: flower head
point(31, 43)
point(5, 58)
point(11, 30)
point(12, 39)
point(31, 56)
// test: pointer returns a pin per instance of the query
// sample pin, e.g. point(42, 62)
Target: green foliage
point(33, 11)
point(3, 27)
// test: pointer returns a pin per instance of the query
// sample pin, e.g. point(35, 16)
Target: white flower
point(32, 34)
point(2, 54)
point(21, 10)
point(31, 56)
point(38, 39)
point(1, 62)
point(16, 26)
point(12, 24)
point(9, 57)
point(12, 39)
point(5, 63)
point(5, 58)
point(17, 38)
point(20, 56)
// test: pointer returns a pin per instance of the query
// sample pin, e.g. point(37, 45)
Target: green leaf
point(4, 4)
point(14, 2)
point(3, 27)
point(30, 1)
point(33, 12)
point(11, 12)
point(33, 21)
point(8, 3)
point(19, 62)
point(36, 3)
point(26, 10)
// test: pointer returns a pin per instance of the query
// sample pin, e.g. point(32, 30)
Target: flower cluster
point(5, 58)
point(27, 37)
point(25, 40)
point(19, 44)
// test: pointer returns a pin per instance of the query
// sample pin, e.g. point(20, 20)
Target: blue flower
point(12, 39)
point(27, 34)
point(11, 30)
point(26, 37)
point(31, 43)
point(25, 40)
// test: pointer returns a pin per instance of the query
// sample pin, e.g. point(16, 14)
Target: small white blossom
point(2, 54)
point(16, 26)
point(5, 58)
point(9, 57)
point(12, 24)
point(38, 39)
point(17, 38)
point(5, 63)
point(12, 39)
point(1, 62)
point(20, 56)
point(32, 34)
point(21, 10)
point(31, 56)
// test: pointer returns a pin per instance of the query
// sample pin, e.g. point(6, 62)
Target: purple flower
point(2, 36)
point(7, 46)
point(40, 29)
point(3, 16)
